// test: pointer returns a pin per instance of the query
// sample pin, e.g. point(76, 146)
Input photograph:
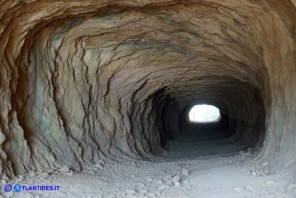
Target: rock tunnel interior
point(246, 126)
point(93, 81)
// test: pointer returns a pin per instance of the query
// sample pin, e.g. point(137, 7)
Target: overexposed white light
point(204, 113)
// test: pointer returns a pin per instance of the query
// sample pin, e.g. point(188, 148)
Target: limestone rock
point(88, 80)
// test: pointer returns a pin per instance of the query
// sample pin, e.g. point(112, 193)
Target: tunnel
point(89, 81)
point(242, 114)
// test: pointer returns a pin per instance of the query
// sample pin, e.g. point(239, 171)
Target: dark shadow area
point(241, 125)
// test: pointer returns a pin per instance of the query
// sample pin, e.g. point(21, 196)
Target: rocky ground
point(188, 169)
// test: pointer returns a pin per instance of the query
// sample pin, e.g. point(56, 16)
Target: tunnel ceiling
point(82, 81)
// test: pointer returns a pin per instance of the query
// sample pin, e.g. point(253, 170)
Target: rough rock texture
point(82, 80)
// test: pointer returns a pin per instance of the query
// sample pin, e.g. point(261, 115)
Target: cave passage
point(87, 81)
point(234, 130)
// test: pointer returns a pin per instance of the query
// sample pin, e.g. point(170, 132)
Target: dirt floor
point(189, 169)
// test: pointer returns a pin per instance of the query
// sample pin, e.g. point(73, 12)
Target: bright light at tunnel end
point(204, 114)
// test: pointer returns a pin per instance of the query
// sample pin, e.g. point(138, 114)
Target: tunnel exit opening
point(204, 113)
point(204, 122)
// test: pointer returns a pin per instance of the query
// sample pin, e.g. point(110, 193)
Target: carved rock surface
point(83, 81)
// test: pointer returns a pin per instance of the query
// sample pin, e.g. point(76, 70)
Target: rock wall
point(83, 81)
